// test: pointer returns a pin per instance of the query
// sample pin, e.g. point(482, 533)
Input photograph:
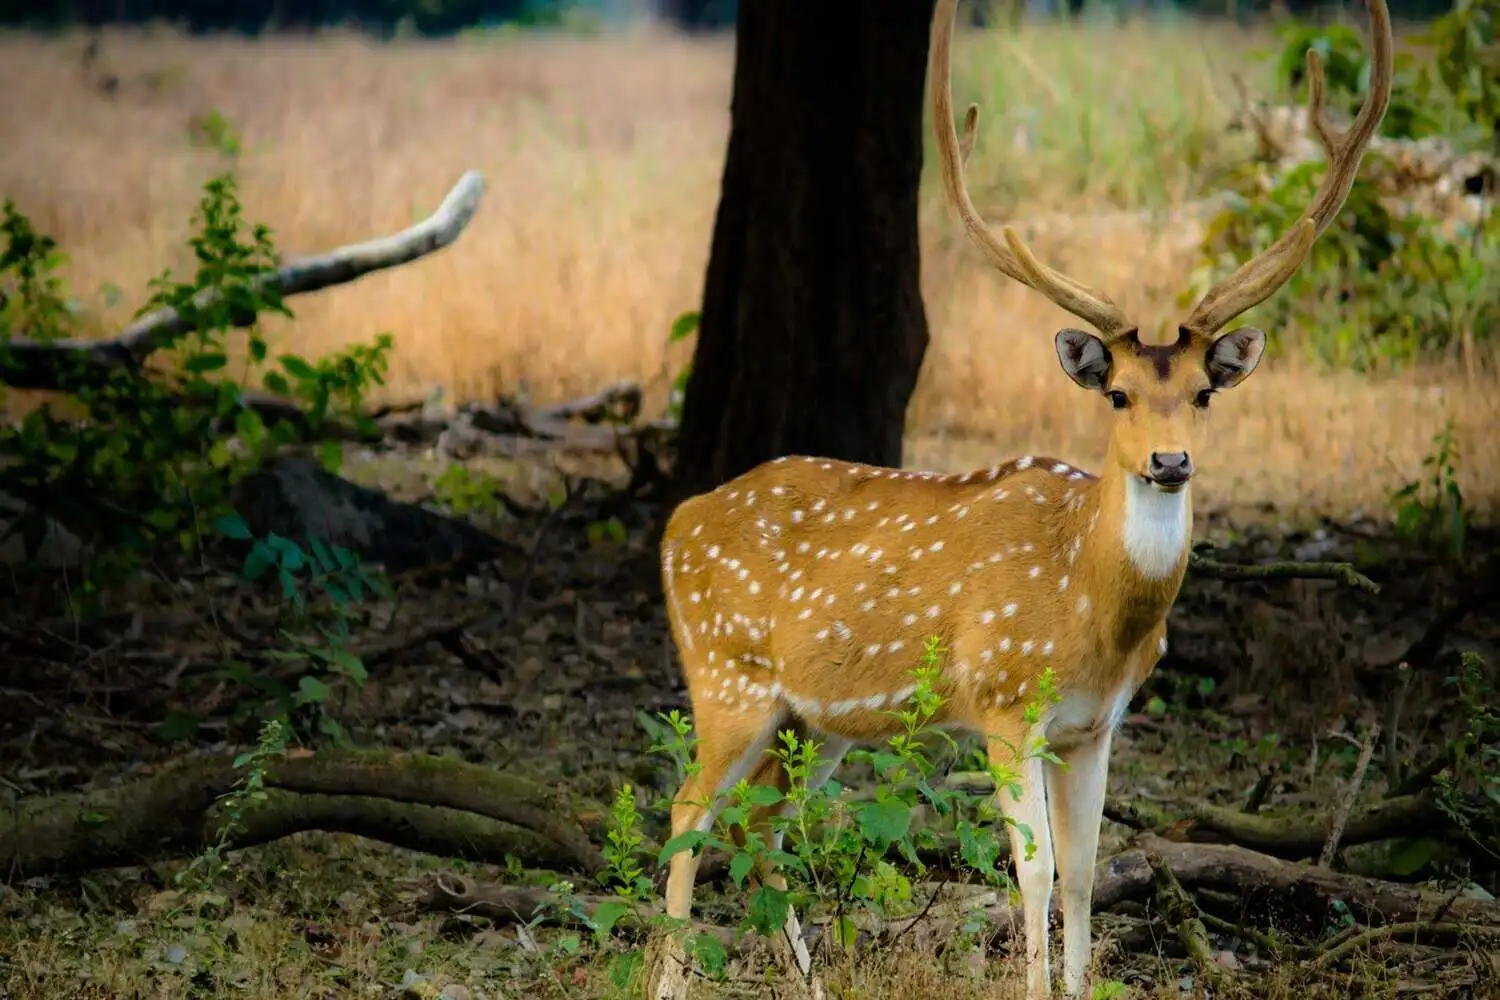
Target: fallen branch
point(1260, 882)
point(1413, 929)
point(31, 364)
point(1289, 837)
point(1342, 572)
point(1187, 923)
point(434, 804)
point(1340, 815)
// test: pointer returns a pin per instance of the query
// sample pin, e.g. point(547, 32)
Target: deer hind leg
point(1076, 801)
point(788, 946)
point(1034, 873)
point(727, 751)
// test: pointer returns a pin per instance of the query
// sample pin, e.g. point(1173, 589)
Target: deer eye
point(1118, 399)
point(1201, 400)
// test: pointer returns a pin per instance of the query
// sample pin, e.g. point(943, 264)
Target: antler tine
point(1011, 257)
point(1258, 278)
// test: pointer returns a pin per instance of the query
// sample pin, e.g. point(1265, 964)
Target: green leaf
point(844, 932)
point(298, 367)
point(682, 842)
point(884, 821)
point(607, 914)
point(310, 690)
point(740, 866)
point(219, 455)
point(260, 558)
point(683, 326)
point(211, 362)
point(763, 795)
point(232, 526)
point(785, 859)
point(768, 909)
point(277, 383)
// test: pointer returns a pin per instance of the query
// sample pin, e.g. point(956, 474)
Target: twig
point(1393, 724)
point(1342, 572)
point(31, 364)
point(931, 900)
point(1265, 942)
point(1416, 928)
point(1341, 814)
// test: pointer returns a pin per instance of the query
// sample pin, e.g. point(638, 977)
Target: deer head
point(1161, 393)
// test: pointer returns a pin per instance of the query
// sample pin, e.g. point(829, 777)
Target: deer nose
point(1171, 468)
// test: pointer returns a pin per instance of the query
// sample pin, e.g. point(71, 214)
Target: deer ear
point(1234, 356)
point(1084, 357)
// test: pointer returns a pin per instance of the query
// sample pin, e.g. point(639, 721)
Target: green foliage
point(841, 855)
point(151, 461)
point(1345, 56)
point(144, 466)
point(1468, 791)
point(319, 587)
point(1468, 62)
point(1377, 287)
point(1430, 509)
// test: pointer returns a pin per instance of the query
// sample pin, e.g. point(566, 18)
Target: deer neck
point(1135, 550)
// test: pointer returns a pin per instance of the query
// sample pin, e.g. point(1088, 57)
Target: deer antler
point(1011, 256)
point(1258, 278)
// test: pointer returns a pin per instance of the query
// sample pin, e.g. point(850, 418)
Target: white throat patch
point(1157, 526)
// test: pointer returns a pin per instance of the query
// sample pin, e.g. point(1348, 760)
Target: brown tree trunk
point(813, 329)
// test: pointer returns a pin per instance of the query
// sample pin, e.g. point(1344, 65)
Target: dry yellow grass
point(603, 156)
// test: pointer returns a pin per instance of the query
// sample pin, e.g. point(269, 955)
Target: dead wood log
point(1288, 837)
point(428, 803)
point(32, 364)
point(1303, 894)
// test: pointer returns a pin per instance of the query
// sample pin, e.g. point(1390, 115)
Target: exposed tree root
point(434, 804)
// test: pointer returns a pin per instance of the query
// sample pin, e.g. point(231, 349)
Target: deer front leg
point(1034, 863)
point(1075, 798)
point(726, 753)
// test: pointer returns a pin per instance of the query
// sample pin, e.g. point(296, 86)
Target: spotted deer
point(801, 593)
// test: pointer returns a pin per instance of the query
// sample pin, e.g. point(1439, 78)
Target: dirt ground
point(1300, 667)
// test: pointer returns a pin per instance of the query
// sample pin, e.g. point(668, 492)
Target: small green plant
point(1468, 791)
point(851, 858)
point(1430, 508)
point(203, 872)
point(318, 587)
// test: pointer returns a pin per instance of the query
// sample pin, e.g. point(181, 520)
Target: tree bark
point(412, 800)
point(813, 329)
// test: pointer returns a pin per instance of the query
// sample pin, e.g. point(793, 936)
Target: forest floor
point(1284, 676)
